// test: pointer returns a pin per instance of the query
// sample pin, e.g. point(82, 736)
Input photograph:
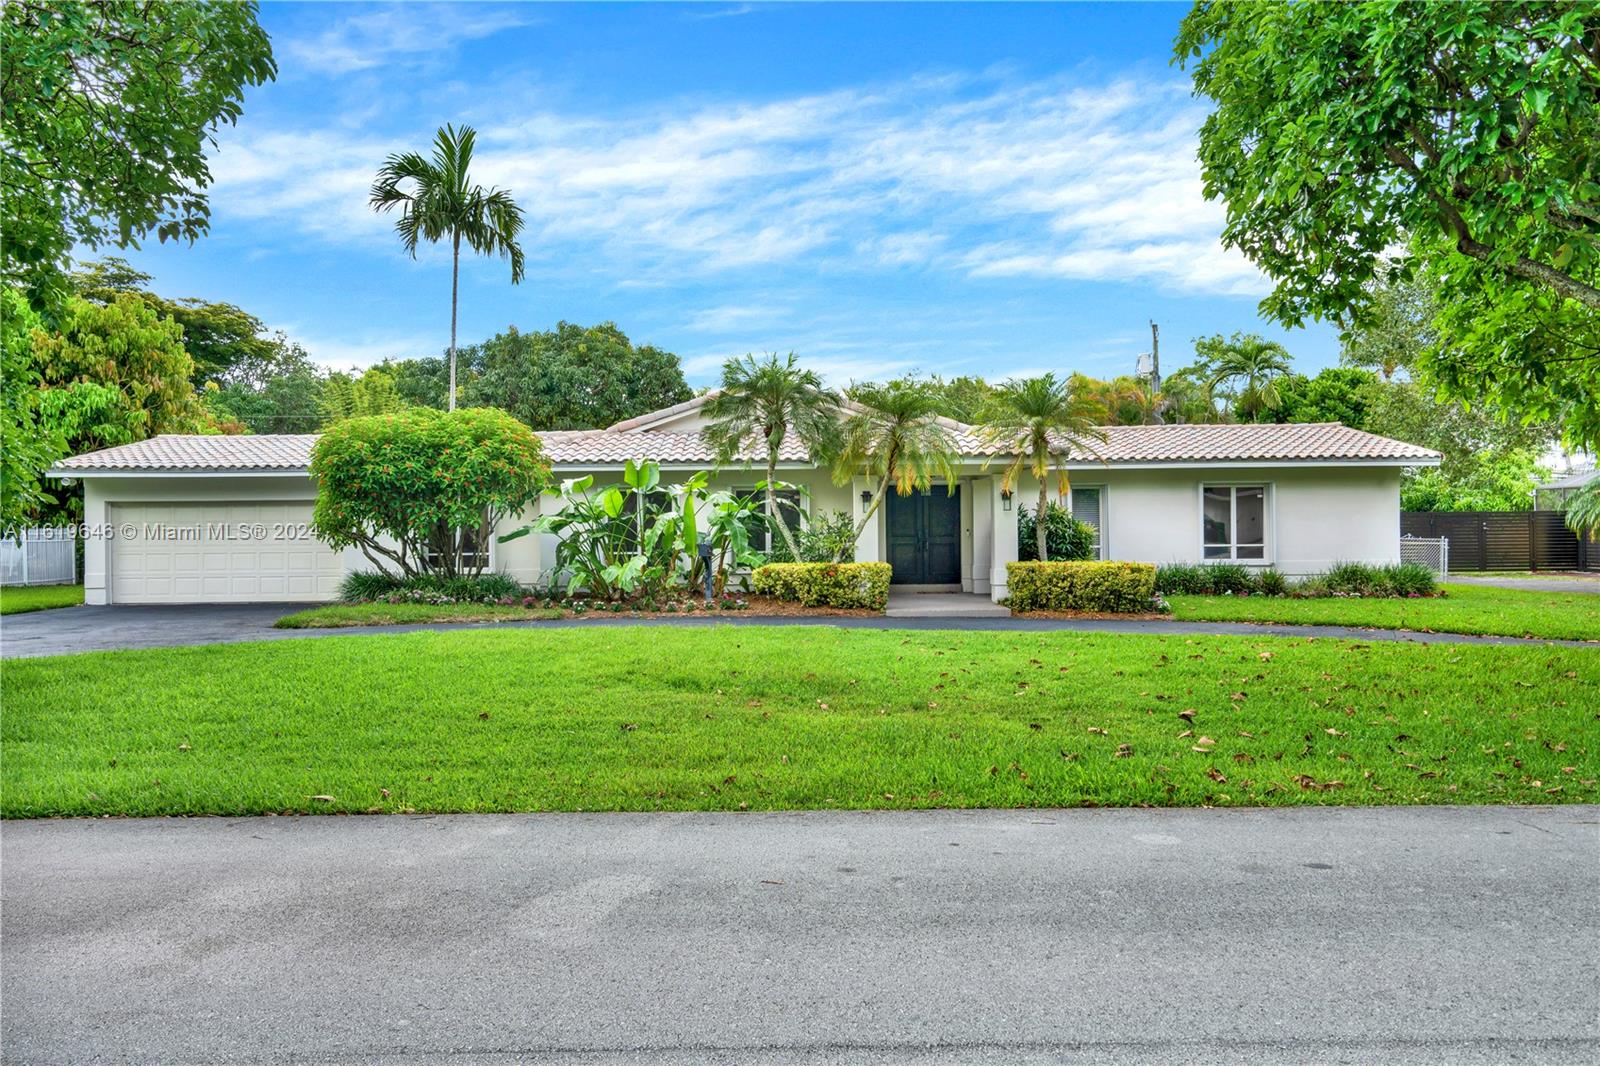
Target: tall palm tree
point(1038, 421)
point(438, 201)
point(770, 397)
point(896, 436)
point(1253, 365)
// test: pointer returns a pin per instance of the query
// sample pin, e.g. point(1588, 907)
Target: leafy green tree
point(415, 491)
point(1465, 134)
point(36, 423)
point(1491, 481)
point(1039, 421)
point(125, 346)
point(572, 377)
point(348, 396)
point(286, 402)
point(1250, 365)
point(765, 399)
point(1583, 511)
point(1398, 326)
point(1336, 394)
point(1188, 397)
point(895, 436)
point(109, 109)
point(439, 201)
point(227, 343)
point(425, 382)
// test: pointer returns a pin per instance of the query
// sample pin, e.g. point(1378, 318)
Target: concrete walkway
point(1316, 935)
point(1586, 583)
point(69, 630)
point(943, 605)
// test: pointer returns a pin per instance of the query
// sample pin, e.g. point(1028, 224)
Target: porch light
point(866, 499)
point(1005, 499)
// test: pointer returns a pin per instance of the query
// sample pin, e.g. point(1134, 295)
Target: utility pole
point(1155, 356)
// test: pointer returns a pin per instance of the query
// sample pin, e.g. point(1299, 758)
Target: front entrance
point(924, 535)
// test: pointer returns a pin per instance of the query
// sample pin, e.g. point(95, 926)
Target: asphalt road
point(1459, 935)
point(69, 630)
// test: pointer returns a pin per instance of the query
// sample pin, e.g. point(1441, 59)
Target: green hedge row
point(1067, 586)
point(825, 584)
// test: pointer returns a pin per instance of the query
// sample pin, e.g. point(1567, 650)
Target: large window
point(1235, 520)
point(471, 552)
point(1088, 506)
point(788, 501)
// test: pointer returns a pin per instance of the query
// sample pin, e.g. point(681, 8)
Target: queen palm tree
point(1038, 421)
point(1253, 365)
point(769, 398)
point(438, 201)
point(896, 436)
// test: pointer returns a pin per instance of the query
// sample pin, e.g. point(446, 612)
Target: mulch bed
point(758, 605)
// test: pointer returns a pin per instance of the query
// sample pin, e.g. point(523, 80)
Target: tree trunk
point(877, 498)
point(1041, 526)
point(455, 288)
point(772, 508)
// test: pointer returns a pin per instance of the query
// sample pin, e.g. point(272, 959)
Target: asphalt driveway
point(68, 630)
point(1317, 935)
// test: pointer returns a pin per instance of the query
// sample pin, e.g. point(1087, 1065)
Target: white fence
point(39, 557)
point(1432, 552)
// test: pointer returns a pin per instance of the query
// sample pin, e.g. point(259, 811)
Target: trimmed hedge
point(1068, 586)
point(825, 584)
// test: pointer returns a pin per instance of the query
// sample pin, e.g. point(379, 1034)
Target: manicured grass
point(633, 718)
point(18, 599)
point(1463, 609)
point(338, 615)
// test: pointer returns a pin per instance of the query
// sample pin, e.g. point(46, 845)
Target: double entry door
point(924, 535)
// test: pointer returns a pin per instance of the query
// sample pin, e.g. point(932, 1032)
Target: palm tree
point(442, 202)
point(1583, 511)
point(1038, 421)
point(769, 397)
point(896, 436)
point(1253, 365)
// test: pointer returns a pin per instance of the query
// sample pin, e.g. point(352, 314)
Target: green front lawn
point(1463, 609)
point(727, 718)
point(18, 599)
point(340, 615)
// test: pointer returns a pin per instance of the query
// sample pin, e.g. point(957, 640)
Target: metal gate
point(1432, 552)
point(1505, 540)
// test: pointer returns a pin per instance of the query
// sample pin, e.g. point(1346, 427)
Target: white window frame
point(489, 567)
point(1268, 521)
point(1101, 534)
point(802, 506)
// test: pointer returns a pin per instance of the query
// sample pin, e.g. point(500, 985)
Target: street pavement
point(1311, 935)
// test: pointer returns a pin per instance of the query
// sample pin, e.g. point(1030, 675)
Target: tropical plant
point(1465, 135)
point(768, 398)
point(825, 538)
point(1189, 398)
point(1066, 537)
point(1038, 421)
point(421, 491)
point(438, 201)
point(1250, 364)
point(109, 111)
point(1582, 511)
point(895, 437)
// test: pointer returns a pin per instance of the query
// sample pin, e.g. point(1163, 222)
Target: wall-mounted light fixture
point(866, 499)
point(1005, 499)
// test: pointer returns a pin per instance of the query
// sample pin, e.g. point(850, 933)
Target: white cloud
point(400, 33)
point(983, 177)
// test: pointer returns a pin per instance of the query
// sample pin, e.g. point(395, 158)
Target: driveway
point(68, 630)
point(1314, 935)
point(1587, 583)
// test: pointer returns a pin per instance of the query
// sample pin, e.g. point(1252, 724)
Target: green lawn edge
point(734, 718)
point(21, 599)
point(345, 615)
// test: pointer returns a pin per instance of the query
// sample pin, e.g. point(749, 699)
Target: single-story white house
point(207, 519)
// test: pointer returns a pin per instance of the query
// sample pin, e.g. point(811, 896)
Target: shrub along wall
point(1105, 587)
point(864, 585)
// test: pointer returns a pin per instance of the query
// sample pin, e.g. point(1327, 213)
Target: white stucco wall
point(1316, 515)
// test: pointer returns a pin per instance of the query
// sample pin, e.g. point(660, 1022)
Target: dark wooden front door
point(925, 537)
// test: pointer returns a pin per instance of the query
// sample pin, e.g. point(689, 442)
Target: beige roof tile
point(1323, 441)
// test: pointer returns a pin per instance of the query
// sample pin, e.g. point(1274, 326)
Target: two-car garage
point(241, 552)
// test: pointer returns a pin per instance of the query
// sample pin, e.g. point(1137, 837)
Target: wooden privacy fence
point(1504, 540)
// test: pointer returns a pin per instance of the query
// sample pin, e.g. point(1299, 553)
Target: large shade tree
point(896, 437)
point(438, 201)
point(109, 111)
point(1039, 422)
point(1464, 135)
point(767, 398)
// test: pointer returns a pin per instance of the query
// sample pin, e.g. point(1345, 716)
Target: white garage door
point(218, 553)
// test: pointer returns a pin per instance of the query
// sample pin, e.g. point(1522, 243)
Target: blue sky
point(984, 189)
